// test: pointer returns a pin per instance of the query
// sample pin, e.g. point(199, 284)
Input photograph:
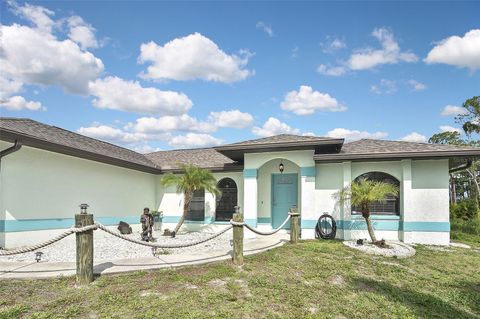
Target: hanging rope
point(68, 232)
point(276, 230)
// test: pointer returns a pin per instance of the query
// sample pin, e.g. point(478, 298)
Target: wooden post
point(294, 227)
point(84, 249)
point(237, 256)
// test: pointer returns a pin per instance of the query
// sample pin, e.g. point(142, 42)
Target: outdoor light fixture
point(83, 208)
point(38, 256)
point(281, 167)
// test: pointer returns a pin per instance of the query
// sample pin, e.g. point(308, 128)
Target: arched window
point(391, 206)
point(196, 210)
point(227, 199)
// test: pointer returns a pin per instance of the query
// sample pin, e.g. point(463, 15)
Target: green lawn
point(316, 279)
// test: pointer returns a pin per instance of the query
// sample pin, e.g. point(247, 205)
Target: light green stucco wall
point(37, 184)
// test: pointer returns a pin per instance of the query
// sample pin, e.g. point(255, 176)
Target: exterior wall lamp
point(281, 167)
point(83, 208)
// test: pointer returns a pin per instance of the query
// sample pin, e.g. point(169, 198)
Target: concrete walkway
point(27, 270)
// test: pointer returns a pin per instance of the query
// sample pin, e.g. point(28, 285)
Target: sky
point(154, 75)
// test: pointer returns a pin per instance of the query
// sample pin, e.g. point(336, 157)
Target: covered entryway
point(227, 200)
point(284, 197)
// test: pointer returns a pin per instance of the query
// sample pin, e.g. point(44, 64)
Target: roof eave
point(278, 145)
point(396, 155)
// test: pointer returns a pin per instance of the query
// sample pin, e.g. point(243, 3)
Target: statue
point(147, 225)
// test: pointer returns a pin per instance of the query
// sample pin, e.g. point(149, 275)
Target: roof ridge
point(182, 149)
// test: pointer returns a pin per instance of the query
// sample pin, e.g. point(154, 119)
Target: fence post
point(294, 227)
point(84, 247)
point(237, 256)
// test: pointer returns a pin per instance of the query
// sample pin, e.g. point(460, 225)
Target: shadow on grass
point(424, 305)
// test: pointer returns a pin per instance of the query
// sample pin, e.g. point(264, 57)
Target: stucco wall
point(37, 184)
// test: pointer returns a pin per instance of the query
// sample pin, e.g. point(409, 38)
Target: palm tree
point(363, 193)
point(191, 179)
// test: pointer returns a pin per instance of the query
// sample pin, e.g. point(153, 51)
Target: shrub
point(471, 226)
point(467, 209)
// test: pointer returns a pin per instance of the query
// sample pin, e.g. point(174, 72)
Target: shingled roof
point(383, 149)
point(282, 139)
point(201, 157)
point(52, 138)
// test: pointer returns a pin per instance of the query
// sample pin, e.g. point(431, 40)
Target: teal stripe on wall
point(387, 225)
point(308, 171)
point(251, 222)
point(264, 220)
point(250, 173)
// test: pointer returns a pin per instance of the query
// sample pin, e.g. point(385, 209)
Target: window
point(227, 200)
point(391, 206)
point(196, 210)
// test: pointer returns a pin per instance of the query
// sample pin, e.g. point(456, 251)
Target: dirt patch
point(337, 280)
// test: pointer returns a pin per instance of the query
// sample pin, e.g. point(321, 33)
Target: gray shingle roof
point(367, 148)
point(202, 157)
point(281, 139)
point(35, 132)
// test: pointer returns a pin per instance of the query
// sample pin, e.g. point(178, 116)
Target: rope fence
point(84, 231)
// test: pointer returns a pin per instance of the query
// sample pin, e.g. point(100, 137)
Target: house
point(46, 172)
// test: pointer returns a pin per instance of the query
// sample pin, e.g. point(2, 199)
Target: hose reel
point(326, 227)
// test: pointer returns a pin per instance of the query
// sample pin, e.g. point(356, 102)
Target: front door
point(284, 196)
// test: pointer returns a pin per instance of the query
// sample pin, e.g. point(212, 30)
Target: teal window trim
point(250, 173)
point(308, 171)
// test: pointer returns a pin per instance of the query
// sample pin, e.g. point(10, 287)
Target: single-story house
point(46, 172)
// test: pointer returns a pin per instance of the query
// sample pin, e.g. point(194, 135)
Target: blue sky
point(159, 75)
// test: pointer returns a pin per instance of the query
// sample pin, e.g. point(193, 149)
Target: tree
point(363, 194)
point(452, 138)
point(470, 118)
point(191, 179)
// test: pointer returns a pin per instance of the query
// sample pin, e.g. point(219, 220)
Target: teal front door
point(284, 196)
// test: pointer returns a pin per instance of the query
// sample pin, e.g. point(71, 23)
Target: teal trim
point(374, 217)
point(386, 225)
point(58, 223)
point(209, 219)
point(264, 220)
point(250, 173)
point(426, 226)
point(308, 171)
point(175, 219)
point(251, 222)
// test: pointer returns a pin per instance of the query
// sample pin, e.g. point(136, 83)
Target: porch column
point(250, 196)
point(307, 195)
point(406, 202)
point(347, 209)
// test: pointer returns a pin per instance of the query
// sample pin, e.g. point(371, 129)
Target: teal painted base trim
point(308, 171)
point(375, 217)
point(251, 222)
point(175, 219)
point(58, 223)
point(385, 225)
point(250, 173)
point(264, 220)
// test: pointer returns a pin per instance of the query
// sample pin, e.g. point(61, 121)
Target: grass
point(313, 279)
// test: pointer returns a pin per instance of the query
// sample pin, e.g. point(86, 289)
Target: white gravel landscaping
point(108, 247)
point(396, 249)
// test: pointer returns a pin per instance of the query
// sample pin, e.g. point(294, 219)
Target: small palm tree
point(363, 194)
point(191, 179)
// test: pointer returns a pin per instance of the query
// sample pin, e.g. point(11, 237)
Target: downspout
point(10, 150)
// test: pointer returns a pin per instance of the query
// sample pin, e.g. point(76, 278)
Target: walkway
point(29, 270)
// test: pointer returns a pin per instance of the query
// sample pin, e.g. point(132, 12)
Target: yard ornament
point(146, 219)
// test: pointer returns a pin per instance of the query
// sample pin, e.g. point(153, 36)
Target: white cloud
point(191, 140)
point(34, 57)
point(414, 137)
point(384, 87)
point(152, 125)
point(306, 101)
point(233, 118)
point(332, 70)
point(389, 53)
point(118, 94)
point(265, 28)
point(462, 52)
point(448, 128)
point(353, 135)
point(193, 57)
point(416, 86)
point(367, 58)
point(18, 103)
point(273, 126)
point(82, 33)
point(110, 134)
point(39, 16)
point(295, 52)
point(332, 44)
point(452, 110)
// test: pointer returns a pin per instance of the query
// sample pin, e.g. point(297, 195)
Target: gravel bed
point(396, 249)
point(108, 247)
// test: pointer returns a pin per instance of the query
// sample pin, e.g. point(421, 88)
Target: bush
point(467, 209)
point(471, 226)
